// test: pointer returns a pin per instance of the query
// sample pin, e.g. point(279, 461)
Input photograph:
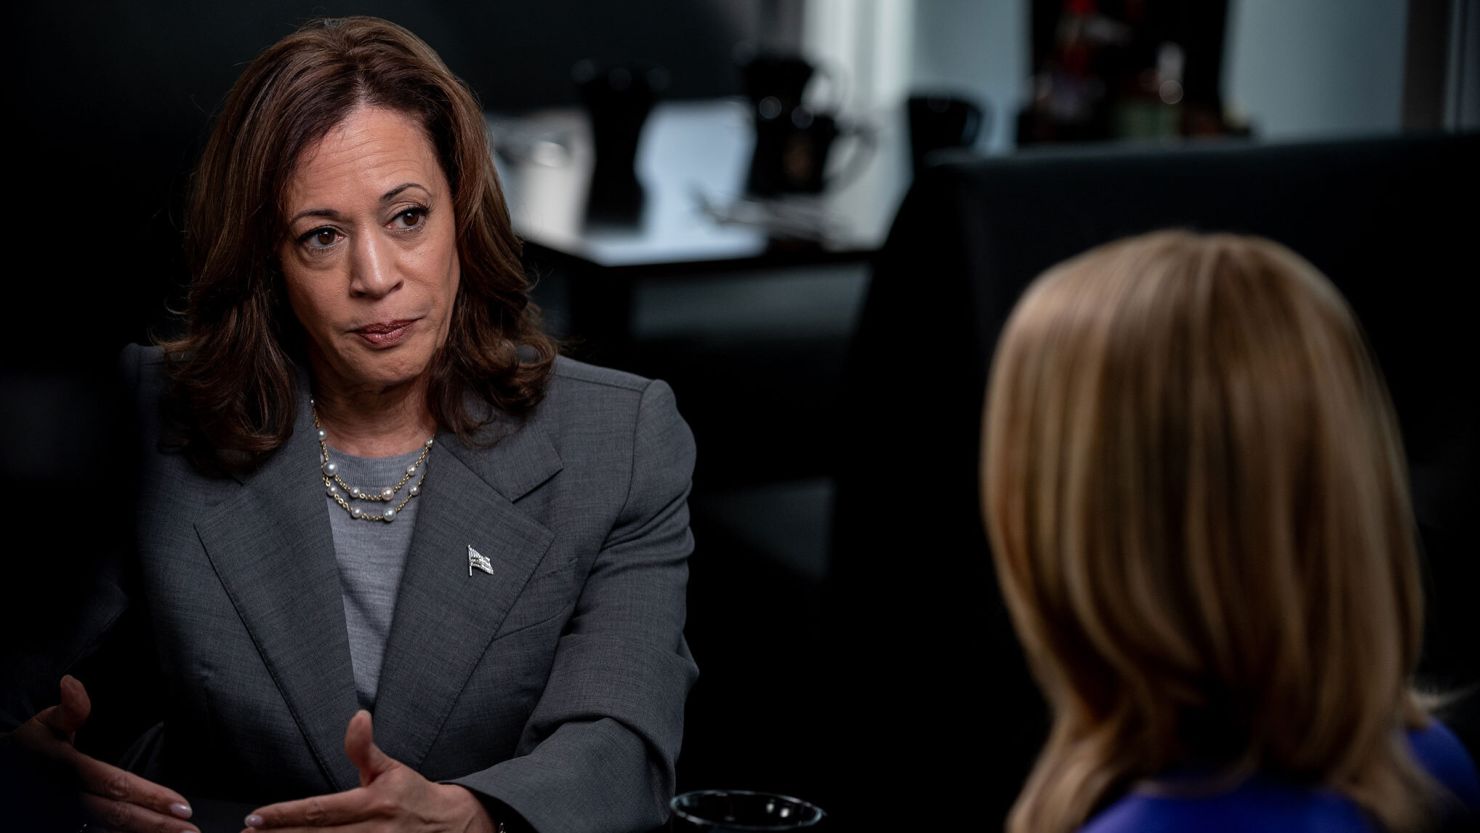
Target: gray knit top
point(371, 556)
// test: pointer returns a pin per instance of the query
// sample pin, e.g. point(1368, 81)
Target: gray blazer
point(556, 685)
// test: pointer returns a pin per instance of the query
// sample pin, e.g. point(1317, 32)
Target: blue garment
point(1262, 803)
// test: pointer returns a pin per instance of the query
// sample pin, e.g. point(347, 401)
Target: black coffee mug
point(938, 122)
point(792, 149)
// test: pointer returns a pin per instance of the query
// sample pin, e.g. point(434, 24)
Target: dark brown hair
point(232, 372)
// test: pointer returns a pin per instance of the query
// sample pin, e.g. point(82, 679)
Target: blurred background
point(809, 216)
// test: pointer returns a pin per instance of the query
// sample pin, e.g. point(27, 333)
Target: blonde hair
point(1197, 502)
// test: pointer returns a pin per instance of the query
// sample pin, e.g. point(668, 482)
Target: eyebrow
point(335, 215)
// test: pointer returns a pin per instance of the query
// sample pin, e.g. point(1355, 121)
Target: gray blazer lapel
point(273, 549)
point(444, 618)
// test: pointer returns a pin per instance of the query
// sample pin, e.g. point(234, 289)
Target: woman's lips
point(385, 333)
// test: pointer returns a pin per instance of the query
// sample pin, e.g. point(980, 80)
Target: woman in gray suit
point(395, 561)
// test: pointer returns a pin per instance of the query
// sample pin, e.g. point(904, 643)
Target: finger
point(108, 782)
point(131, 818)
point(359, 745)
point(68, 716)
point(319, 811)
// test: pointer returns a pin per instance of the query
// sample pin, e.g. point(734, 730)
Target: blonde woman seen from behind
point(1197, 503)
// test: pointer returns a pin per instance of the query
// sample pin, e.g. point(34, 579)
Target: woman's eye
point(320, 238)
point(411, 217)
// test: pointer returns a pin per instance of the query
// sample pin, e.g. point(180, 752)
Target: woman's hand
point(391, 796)
point(113, 797)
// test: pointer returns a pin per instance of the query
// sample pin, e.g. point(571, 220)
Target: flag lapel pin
point(478, 560)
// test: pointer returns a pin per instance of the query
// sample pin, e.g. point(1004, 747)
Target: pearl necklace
point(336, 488)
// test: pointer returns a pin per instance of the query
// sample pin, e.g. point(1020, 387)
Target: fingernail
point(254, 820)
point(181, 810)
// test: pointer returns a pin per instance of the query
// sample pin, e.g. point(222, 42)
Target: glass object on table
point(727, 811)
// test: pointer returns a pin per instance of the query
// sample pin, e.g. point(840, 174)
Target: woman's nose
point(373, 270)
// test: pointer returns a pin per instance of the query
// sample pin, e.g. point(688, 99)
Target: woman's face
point(370, 257)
